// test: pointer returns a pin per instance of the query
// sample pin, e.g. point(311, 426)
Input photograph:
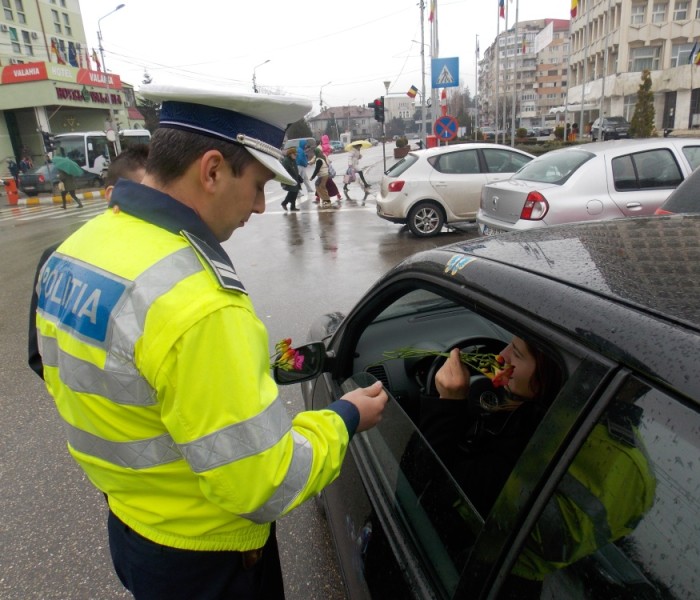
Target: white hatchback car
point(430, 188)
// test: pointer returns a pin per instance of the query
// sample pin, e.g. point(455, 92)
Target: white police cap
point(256, 121)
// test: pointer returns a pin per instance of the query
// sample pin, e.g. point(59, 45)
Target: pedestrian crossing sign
point(445, 72)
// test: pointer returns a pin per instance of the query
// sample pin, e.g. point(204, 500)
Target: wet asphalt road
point(295, 266)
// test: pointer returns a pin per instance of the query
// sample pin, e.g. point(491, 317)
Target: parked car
point(604, 180)
point(442, 185)
point(337, 146)
point(44, 180)
point(685, 198)
point(611, 303)
point(610, 128)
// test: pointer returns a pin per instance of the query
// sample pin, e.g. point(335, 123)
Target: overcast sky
point(356, 45)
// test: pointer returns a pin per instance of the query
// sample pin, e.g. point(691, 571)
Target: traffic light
point(378, 106)
point(48, 141)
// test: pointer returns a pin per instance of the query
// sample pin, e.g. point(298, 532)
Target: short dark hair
point(174, 150)
point(130, 160)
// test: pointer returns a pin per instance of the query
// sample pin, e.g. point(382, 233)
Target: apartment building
point(613, 41)
point(51, 81)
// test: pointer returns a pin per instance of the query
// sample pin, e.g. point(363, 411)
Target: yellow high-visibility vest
point(159, 368)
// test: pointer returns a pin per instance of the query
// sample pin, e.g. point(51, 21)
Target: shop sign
point(86, 95)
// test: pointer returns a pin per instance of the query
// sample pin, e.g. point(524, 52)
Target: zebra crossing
point(52, 211)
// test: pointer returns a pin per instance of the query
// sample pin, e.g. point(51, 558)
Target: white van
point(90, 149)
point(131, 137)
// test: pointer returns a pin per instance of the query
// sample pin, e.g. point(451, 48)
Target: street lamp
point(320, 94)
point(255, 87)
point(117, 144)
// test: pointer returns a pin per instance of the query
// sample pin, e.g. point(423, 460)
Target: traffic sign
point(445, 72)
point(446, 128)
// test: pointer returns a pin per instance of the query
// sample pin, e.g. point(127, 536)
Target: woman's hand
point(452, 380)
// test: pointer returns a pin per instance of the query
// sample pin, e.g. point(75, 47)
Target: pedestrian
point(354, 164)
point(130, 164)
point(14, 169)
point(26, 164)
point(159, 366)
point(321, 170)
point(290, 163)
point(66, 185)
point(302, 163)
point(330, 183)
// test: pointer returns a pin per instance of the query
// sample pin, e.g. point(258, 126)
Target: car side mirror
point(314, 355)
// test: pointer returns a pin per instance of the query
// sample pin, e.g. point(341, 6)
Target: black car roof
point(651, 262)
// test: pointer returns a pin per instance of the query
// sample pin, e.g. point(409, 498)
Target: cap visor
point(274, 165)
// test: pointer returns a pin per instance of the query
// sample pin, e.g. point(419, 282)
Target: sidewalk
point(46, 199)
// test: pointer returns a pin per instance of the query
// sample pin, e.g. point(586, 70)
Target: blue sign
point(446, 127)
point(445, 72)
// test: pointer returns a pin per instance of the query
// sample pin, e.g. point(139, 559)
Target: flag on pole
point(691, 56)
point(431, 16)
point(412, 92)
point(502, 8)
point(97, 60)
point(697, 58)
point(574, 8)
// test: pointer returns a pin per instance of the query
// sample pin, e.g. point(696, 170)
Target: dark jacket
point(291, 166)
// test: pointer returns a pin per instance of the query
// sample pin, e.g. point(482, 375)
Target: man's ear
point(211, 166)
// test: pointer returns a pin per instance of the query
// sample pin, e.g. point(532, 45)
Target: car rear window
point(554, 167)
point(692, 153)
point(397, 169)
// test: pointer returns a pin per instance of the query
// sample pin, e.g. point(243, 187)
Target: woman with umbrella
point(354, 163)
point(67, 170)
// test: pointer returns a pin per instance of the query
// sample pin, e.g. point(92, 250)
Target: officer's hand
point(370, 401)
point(452, 380)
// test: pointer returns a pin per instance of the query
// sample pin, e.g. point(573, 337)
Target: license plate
point(488, 231)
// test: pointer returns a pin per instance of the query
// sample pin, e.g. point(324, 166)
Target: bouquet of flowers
point(492, 366)
point(286, 357)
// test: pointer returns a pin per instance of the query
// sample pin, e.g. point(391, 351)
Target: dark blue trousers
point(154, 572)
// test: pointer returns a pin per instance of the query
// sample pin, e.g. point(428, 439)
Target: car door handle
point(634, 205)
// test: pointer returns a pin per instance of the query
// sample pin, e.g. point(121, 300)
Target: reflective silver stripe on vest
point(48, 348)
point(119, 380)
point(141, 454)
point(240, 440)
point(293, 484)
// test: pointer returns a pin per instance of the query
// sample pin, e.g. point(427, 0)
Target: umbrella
point(363, 143)
point(67, 165)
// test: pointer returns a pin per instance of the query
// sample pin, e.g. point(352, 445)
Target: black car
point(44, 179)
point(616, 305)
point(685, 198)
point(610, 128)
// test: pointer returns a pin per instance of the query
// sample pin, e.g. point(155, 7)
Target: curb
point(50, 200)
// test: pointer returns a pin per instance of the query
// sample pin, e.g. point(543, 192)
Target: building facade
point(50, 81)
point(356, 121)
point(614, 41)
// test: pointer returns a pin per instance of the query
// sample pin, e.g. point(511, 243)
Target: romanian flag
point(697, 58)
point(502, 8)
point(97, 60)
point(574, 8)
point(412, 92)
point(431, 16)
point(692, 54)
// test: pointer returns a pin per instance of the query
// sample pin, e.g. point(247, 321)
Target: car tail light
point(661, 211)
point(396, 186)
point(536, 207)
point(41, 179)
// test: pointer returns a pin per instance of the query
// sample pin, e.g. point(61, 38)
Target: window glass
point(625, 520)
point(657, 169)
point(504, 161)
point(686, 197)
point(465, 162)
point(638, 14)
point(680, 10)
point(624, 176)
point(658, 12)
point(71, 147)
point(555, 167)
point(400, 167)
point(692, 153)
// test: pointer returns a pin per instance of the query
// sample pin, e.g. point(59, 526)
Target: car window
point(623, 520)
point(624, 176)
point(657, 169)
point(463, 162)
point(692, 153)
point(400, 167)
point(504, 161)
point(554, 167)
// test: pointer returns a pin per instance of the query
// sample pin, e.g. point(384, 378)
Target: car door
point(403, 526)
point(640, 182)
point(457, 179)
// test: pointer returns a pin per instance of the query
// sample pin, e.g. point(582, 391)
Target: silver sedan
point(604, 180)
point(430, 188)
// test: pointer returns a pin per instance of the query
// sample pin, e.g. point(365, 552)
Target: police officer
point(159, 366)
